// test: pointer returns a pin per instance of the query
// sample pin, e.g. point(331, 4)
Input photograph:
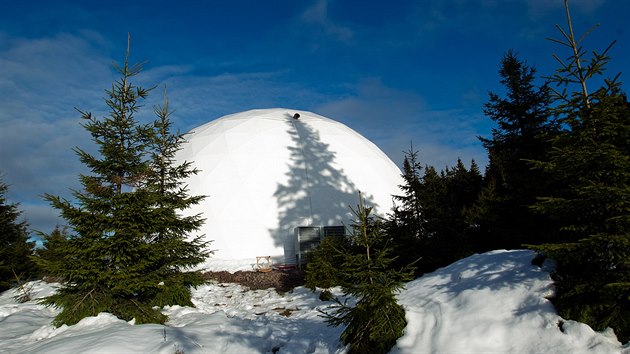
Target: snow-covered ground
point(489, 303)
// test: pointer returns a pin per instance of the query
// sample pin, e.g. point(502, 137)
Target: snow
point(492, 303)
point(489, 303)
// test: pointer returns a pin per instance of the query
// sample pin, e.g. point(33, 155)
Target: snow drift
point(488, 303)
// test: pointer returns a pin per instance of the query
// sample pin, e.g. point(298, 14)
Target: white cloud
point(199, 99)
point(41, 217)
point(440, 136)
point(42, 80)
point(317, 15)
point(374, 104)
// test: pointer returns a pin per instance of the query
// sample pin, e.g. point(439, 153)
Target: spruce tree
point(122, 224)
point(446, 198)
point(50, 256)
point(15, 248)
point(405, 223)
point(592, 157)
point(322, 263)
point(408, 213)
point(175, 255)
point(523, 132)
point(430, 225)
point(364, 270)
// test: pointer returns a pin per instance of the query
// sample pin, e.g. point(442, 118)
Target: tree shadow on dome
point(317, 193)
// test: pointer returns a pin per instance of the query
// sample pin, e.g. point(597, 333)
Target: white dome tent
point(266, 172)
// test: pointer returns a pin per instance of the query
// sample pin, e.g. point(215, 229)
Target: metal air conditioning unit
point(306, 239)
point(333, 231)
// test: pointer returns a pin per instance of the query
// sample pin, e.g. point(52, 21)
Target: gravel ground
point(280, 280)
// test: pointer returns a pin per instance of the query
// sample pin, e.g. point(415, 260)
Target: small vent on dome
point(296, 116)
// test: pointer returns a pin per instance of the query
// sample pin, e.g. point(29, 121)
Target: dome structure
point(266, 172)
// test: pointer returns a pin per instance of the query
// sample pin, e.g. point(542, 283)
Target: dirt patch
point(280, 280)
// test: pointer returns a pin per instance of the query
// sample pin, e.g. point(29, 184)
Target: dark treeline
point(441, 217)
point(557, 181)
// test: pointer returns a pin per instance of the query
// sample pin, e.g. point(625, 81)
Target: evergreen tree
point(464, 185)
point(523, 133)
point(123, 223)
point(173, 252)
point(50, 256)
point(364, 270)
point(592, 157)
point(405, 222)
point(322, 263)
point(446, 198)
point(429, 225)
point(15, 249)
point(408, 213)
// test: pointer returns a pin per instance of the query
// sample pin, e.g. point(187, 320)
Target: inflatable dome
point(266, 173)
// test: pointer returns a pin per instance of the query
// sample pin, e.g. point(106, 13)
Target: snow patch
point(488, 303)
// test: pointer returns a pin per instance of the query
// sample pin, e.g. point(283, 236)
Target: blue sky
point(396, 71)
